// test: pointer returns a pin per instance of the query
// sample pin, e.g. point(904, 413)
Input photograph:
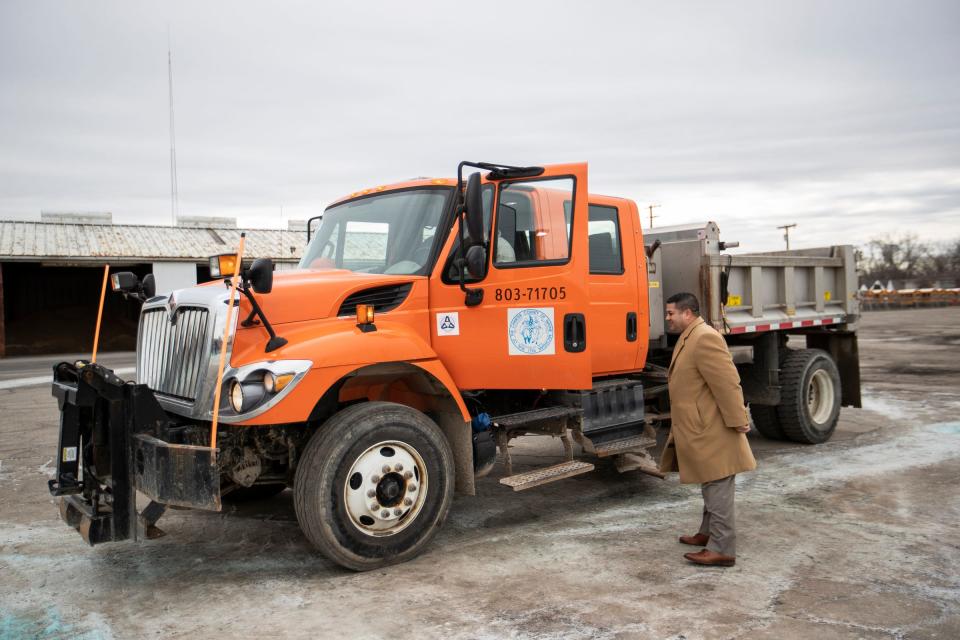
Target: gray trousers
point(718, 516)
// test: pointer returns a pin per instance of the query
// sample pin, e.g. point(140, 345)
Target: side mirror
point(149, 286)
point(124, 281)
point(260, 275)
point(474, 205)
point(476, 259)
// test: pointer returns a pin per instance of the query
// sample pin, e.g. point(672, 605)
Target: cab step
point(544, 475)
point(624, 445)
point(537, 418)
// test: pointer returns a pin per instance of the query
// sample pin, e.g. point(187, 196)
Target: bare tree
point(894, 258)
point(904, 257)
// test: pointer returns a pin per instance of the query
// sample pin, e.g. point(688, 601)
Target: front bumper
point(116, 440)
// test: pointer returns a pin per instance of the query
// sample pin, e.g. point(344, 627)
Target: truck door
point(616, 318)
point(530, 330)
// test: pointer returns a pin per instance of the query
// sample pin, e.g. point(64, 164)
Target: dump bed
point(751, 292)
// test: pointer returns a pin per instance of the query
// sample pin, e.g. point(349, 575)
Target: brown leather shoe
point(710, 558)
point(699, 540)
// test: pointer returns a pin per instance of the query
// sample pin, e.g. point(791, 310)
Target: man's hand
point(744, 429)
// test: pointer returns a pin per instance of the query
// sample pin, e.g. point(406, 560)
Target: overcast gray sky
point(841, 116)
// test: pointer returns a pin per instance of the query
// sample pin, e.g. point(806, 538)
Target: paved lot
point(856, 538)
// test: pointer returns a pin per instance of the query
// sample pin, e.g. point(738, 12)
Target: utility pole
point(651, 207)
point(786, 233)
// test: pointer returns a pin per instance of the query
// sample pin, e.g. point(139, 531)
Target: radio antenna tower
point(174, 188)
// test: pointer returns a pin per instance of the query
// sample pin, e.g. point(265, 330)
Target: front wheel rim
point(820, 398)
point(386, 488)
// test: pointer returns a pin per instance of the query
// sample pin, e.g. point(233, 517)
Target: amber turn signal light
point(275, 383)
point(364, 314)
point(223, 265)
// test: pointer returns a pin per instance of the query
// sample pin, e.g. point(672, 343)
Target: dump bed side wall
point(783, 289)
point(757, 292)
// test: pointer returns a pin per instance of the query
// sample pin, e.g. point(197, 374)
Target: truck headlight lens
point(254, 388)
point(236, 396)
point(276, 382)
point(269, 381)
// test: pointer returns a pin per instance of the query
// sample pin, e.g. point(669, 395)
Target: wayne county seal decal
point(530, 331)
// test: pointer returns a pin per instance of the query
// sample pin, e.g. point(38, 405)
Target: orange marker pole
point(103, 295)
point(223, 343)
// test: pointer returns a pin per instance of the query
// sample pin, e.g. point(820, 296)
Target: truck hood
point(312, 294)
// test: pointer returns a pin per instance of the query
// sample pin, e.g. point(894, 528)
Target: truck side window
point(603, 228)
point(533, 223)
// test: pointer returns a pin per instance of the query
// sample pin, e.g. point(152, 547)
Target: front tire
point(374, 484)
point(809, 406)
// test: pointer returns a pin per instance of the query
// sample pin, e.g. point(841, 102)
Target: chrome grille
point(173, 356)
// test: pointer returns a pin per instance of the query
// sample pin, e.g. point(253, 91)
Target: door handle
point(574, 332)
point(631, 326)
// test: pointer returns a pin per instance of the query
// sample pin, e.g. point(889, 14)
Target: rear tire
point(766, 421)
point(374, 484)
point(809, 397)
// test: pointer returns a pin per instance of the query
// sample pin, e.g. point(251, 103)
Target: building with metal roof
point(119, 244)
point(51, 272)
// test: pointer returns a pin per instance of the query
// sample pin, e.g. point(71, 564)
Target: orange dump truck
point(429, 323)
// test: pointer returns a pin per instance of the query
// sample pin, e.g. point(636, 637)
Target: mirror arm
point(275, 341)
point(473, 297)
point(251, 319)
point(309, 221)
point(136, 295)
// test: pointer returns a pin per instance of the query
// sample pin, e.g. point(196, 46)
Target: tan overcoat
point(706, 404)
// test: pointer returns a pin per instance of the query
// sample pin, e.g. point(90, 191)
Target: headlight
point(254, 388)
point(269, 382)
point(276, 382)
point(236, 396)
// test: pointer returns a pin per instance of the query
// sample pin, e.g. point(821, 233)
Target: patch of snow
point(46, 469)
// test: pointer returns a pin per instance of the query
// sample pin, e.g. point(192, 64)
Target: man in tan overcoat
point(708, 442)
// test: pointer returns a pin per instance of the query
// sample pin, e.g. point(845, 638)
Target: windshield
point(388, 233)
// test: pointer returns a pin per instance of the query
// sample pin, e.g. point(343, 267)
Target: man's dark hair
point(685, 301)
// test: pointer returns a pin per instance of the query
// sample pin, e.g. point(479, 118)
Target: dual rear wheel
point(809, 399)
